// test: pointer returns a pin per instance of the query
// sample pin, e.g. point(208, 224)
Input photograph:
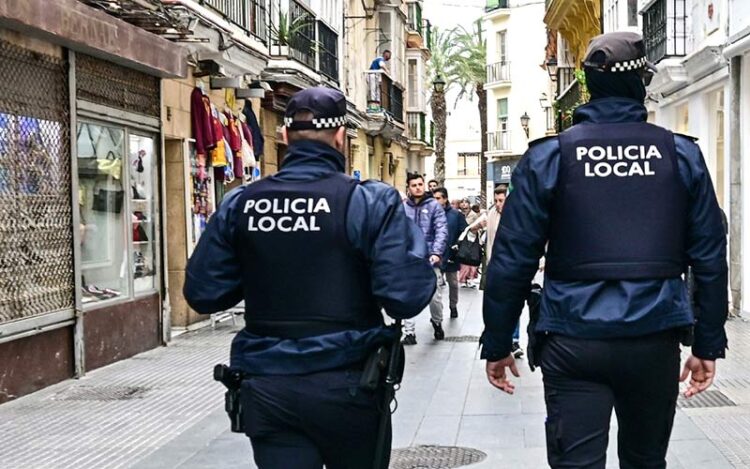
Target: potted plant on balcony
point(284, 32)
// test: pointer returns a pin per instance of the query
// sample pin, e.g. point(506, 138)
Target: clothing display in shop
point(140, 266)
point(257, 136)
point(200, 118)
point(108, 200)
point(219, 153)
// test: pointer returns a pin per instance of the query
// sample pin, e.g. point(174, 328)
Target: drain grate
point(704, 400)
point(462, 338)
point(434, 457)
point(103, 393)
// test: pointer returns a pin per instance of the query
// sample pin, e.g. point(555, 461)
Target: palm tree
point(469, 62)
point(441, 67)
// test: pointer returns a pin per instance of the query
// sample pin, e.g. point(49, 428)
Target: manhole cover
point(462, 338)
point(104, 393)
point(434, 457)
point(704, 400)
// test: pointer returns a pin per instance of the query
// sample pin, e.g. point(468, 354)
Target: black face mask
point(616, 84)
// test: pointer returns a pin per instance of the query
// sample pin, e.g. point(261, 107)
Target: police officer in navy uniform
point(625, 207)
point(315, 255)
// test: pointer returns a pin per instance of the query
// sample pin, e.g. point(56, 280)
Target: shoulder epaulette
point(540, 140)
point(689, 137)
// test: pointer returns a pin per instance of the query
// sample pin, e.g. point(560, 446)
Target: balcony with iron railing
point(384, 96)
point(328, 44)
point(302, 43)
point(665, 29)
point(498, 74)
point(498, 141)
point(249, 15)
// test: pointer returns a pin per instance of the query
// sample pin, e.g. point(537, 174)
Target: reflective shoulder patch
point(540, 140)
point(689, 137)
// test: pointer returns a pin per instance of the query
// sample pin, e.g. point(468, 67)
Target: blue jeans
point(517, 332)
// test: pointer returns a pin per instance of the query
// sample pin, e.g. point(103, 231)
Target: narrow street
point(161, 410)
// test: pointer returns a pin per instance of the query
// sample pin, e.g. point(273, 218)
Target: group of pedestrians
point(317, 272)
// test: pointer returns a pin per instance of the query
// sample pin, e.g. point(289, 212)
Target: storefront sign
point(501, 171)
point(79, 27)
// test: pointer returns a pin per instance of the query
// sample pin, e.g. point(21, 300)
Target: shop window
point(143, 212)
point(117, 203)
point(101, 192)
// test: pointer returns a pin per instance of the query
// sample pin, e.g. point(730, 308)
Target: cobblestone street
point(161, 409)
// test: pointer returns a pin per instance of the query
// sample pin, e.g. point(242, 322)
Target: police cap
point(617, 52)
point(327, 106)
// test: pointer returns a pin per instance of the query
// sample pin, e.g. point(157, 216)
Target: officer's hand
point(497, 376)
point(434, 260)
point(702, 373)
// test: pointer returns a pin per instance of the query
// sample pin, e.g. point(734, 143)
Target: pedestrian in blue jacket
point(315, 255)
point(422, 208)
point(449, 267)
point(624, 208)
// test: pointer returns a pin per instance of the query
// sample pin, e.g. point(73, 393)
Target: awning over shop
point(76, 26)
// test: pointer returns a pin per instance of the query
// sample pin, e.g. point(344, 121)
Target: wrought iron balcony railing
point(383, 95)
point(665, 29)
point(498, 140)
point(250, 15)
point(302, 42)
point(328, 60)
point(498, 72)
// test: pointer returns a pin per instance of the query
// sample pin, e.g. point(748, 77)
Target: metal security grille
point(462, 338)
point(706, 399)
point(434, 457)
point(102, 82)
point(36, 237)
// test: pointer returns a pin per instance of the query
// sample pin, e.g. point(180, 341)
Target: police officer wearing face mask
point(626, 208)
point(315, 255)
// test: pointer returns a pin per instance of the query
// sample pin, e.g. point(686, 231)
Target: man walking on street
point(422, 208)
point(315, 255)
point(626, 208)
point(456, 225)
point(490, 222)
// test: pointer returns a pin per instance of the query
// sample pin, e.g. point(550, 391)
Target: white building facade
point(517, 86)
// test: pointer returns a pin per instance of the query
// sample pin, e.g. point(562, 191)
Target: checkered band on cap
point(628, 65)
point(323, 123)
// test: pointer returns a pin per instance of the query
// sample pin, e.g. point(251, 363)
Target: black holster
point(536, 340)
point(232, 380)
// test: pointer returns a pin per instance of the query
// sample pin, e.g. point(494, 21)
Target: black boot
point(454, 313)
point(439, 333)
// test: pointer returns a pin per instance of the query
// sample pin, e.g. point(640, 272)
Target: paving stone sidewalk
point(161, 409)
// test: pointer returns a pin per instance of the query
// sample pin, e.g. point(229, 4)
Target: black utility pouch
point(533, 352)
point(375, 366)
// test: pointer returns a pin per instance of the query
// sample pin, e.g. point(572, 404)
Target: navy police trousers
point(585, 379)
point(306, 421)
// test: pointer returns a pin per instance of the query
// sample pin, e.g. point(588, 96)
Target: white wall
point(526, 41)
point(740, 16)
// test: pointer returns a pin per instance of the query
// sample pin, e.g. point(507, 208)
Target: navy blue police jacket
point(604, 309)
point(456, 225)
point(401, 278)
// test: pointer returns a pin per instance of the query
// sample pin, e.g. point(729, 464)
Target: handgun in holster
point(232, 380)
point(534, 301)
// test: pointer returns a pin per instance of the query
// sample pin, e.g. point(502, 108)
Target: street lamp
point(439, 84)
point(552, 68)
point(525, 123)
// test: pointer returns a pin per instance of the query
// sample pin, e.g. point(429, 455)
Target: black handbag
point(469, 252)
point(107, 200)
